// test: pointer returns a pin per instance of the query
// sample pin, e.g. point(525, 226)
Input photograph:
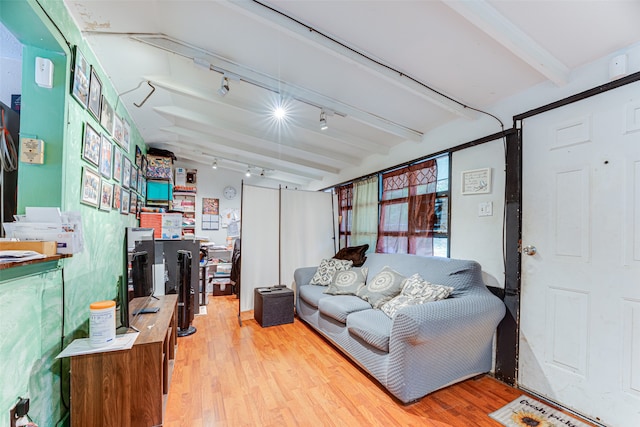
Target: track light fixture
point(248, 173)
point(323, 120)
point(224, 86)
point(262, 173)
point(214, 165)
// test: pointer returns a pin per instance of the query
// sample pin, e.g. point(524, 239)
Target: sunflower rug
point(526, 411)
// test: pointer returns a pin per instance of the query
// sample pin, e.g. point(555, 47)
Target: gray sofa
point(424, 347)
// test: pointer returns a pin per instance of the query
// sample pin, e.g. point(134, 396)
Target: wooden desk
point(125, 388)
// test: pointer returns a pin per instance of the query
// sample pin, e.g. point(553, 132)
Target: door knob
point(529, 250)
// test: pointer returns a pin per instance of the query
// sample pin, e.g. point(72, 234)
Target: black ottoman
point(273, 306)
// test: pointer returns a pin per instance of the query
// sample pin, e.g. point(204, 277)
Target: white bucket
point(102, 323)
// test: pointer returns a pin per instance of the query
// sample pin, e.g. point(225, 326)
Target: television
point(138, 282)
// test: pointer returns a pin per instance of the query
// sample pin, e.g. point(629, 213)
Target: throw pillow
point(416, 287)
point(384, 286)
point(415, 291)
point(347, 282)
point(353, 253)
point(326, 270)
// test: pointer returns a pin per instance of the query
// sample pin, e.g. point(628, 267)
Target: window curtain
point(407, 210)
point(364, 227)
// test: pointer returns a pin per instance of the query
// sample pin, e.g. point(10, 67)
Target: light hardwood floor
point(287, 375)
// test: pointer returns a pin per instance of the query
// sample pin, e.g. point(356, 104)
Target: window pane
point(440, 247)
point(395, 217)
point(395, 244)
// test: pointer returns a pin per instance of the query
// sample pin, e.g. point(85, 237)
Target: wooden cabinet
point(126, 388)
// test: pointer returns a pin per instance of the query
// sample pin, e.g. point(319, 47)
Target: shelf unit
point(184, 202)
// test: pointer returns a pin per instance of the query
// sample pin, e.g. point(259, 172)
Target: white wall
point(472, 235)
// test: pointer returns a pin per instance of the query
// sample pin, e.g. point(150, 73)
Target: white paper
point(83, 346)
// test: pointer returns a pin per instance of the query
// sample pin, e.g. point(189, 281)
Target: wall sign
point(476, 181)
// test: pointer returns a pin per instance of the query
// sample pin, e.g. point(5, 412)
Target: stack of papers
point(19, 256)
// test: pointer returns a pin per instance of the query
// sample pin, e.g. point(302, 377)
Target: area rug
point(526, 411)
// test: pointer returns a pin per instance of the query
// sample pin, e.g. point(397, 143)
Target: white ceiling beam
point(206, 143)
point(233, 131)
point(230, 158)
point(257, 78)
point(306, 125)
point(275, 176)
point(484, 16)
point(252, 144)
point(273, 18)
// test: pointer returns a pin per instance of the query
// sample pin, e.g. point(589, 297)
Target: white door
point(580, 301)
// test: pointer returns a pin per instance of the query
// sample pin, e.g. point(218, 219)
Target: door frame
point(507, 337)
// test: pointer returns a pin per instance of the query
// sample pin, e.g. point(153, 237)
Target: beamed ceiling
point(383, 72)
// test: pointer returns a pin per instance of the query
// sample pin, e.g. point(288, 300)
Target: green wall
point(45, 310)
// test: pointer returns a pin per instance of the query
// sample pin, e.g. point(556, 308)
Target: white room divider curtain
point(306, 230)
point(281, 231)
point(260, 231)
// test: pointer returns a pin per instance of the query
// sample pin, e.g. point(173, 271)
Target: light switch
point(485, 209)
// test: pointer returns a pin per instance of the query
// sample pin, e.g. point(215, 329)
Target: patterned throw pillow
point(384, 286)
point(347, 282)
point(326, 270)
point(416, 291)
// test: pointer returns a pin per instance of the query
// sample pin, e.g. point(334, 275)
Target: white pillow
point(326, 270)
point(347, 282)
point(416, 291)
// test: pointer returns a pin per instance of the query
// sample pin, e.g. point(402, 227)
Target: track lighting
point(215, 164)
point(248, 173)
point(323, 120)
point(262, 173)
point(224, 86)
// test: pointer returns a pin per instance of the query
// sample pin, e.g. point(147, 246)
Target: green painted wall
point(32, 307)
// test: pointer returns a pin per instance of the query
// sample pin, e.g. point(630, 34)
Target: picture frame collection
point(110, 180)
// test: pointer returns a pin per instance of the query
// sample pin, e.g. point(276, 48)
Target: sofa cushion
point(372, 326)
point(415, 291)
point(327, 269)
point(384, 286)
point(338, 307)
point(312, 294)
point(353, 253)
point(347, 282)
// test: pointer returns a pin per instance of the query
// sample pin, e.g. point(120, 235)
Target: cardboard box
point(45, 248)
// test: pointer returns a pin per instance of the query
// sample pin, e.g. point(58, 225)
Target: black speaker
point(186, 295)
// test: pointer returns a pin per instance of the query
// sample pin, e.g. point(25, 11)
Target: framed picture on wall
point(126, 171)
point(106, 195)
point(91, 145)
point(117, 164)
point(117, 197)
point(143, 168)
point(124, 204)
point(106, 115)
point(133, 203)
point(81, 76)
point(134, 178)
point(138, 156)
point(140, 185)
point(95, 93)
point(143, 190)
point(117, 130)
point(126, 135)
point(476, 181)
point(90, 194)
point(106, 156)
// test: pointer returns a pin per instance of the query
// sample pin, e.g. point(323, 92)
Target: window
point(407, 209)
point(383, 217)
point(345, 203)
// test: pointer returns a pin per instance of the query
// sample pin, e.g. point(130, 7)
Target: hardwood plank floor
point(287, 375)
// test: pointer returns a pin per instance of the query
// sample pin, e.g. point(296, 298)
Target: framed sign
point(210, 214)
point(476, 181)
